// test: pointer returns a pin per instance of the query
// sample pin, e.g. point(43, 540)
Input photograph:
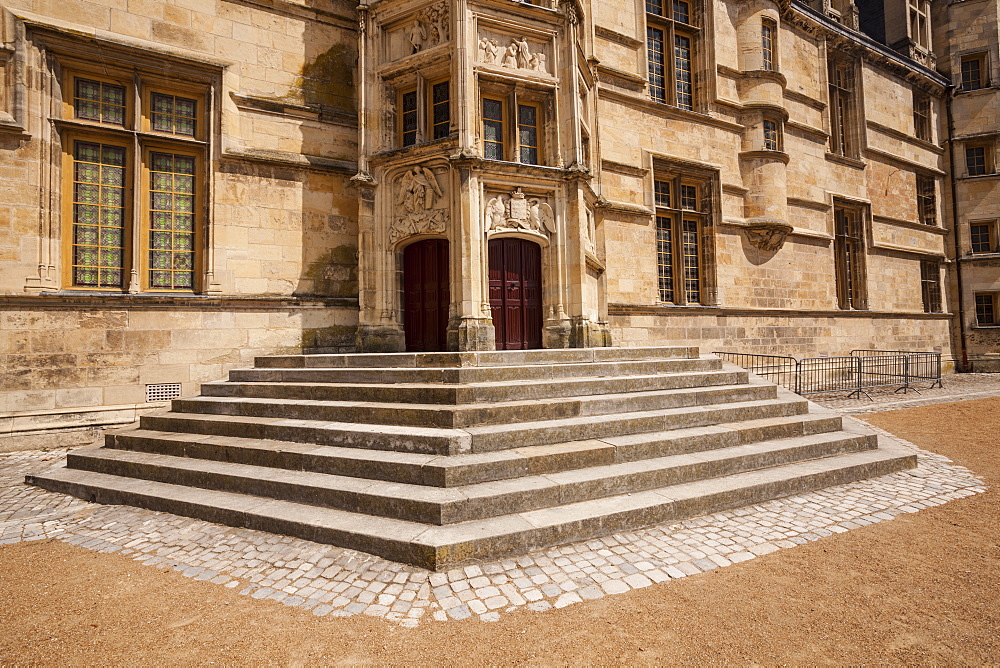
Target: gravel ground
point(921, 589)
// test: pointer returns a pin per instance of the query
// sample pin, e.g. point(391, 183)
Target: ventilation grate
point(162, 391)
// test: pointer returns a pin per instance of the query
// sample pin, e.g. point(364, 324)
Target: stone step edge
point(462, 416)
point(735, 375)
point(491, 358)
point(439, 506)
point(428, 440)
point(478, 374)
point(440, 548)
point(455, 470)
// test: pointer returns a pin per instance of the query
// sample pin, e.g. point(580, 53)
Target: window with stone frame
point(930, 285)
point(983, 237)
point(671, 44)
point(973, 72)
point(772, 134)
point(424, 111)
point(513, 127)
point(849, 256)
point(922, 116)
point(927, 199)
point(920, 22)
point(683, 215)
point(978, 158)
point(986, 308)
point(768, 39)
point(133, 180)
point(843, 108)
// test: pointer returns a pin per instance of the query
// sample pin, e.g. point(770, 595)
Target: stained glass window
point(99, 101)
point(171, 221)
point(98, 215)
point(176, 115)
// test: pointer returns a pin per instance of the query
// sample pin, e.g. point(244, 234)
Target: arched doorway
point(516, 293)
point(426, 295)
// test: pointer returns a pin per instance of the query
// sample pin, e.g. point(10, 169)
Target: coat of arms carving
point(518, 213)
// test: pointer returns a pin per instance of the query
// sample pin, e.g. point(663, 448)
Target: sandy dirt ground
point(921, 589)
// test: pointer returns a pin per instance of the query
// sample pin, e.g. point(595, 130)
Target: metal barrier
point(859, 372)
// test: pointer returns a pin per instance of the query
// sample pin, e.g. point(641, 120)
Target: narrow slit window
point(922, 116)
point(665, 257)
point(441, 110)
point(692, 261)
point(409, 117)
point(493, 129)
point(657, 64)
point(682, 72)
point(930, 286)
point(767, 32)
point(926, 200)
point(771, 142)
point(527, 134)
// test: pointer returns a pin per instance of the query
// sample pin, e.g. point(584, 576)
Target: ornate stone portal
point(424, 172)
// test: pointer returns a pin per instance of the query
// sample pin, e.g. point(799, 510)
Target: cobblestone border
point(338, 582)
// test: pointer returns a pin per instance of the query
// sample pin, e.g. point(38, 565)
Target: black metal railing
point(856, 373)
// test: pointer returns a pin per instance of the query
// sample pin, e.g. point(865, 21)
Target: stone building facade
point(186, 184)
point(968, 35)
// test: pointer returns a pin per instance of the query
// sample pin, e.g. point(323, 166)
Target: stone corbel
point(767, 236)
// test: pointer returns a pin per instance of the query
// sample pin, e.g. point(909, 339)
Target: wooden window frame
point(403, 113)
point(920, 23)
point(432, 106)
point(926, 186)
point(966, 84)
point(991, 237)
point(510, 102)
point(849, 257)
point(537, 129)
point(983, 303)
point(987, 164)
point(922, 127)
point(137, 137)
point(672, 29)
point(843, 108)
point(930, 286)
point(769, 44)
point(775, 142)
point(674, 221)
point(145, 193)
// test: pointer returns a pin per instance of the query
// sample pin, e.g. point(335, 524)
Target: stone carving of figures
point(417, 35)
point(538, 62)
point(540, 216)
point(441, 22)
point(417, 189)
point(523, 53)
point(490, 49)
point(496, 213)
point(510, 55)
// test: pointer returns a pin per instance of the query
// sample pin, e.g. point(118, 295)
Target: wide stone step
point(472, 439)
point(458, 470)
point(435, 393)
point(470, 415)
point(441, 547)
point(436, 505)
point(487, 374)
point(481, 359)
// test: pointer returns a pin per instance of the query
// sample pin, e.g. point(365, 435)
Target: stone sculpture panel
point(419, 203)
point(516, 212)
point(513, 52)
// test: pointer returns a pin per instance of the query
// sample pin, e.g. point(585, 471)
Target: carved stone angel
point(496, 213)
point(540, 216)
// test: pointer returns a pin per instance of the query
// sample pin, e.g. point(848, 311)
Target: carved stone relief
point(512, 53)
point(517, 213)
point(768, 236)
point(428, 28)
point(420, 206)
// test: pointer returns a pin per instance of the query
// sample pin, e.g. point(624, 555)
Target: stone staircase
point(441, 459)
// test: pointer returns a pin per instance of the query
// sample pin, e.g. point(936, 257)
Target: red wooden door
point(516, 293)
point(426, 295)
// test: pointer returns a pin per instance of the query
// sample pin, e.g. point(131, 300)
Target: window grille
point(162, 392)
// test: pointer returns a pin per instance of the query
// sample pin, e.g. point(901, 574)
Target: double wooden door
point(516, 293)
point(426, 295)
